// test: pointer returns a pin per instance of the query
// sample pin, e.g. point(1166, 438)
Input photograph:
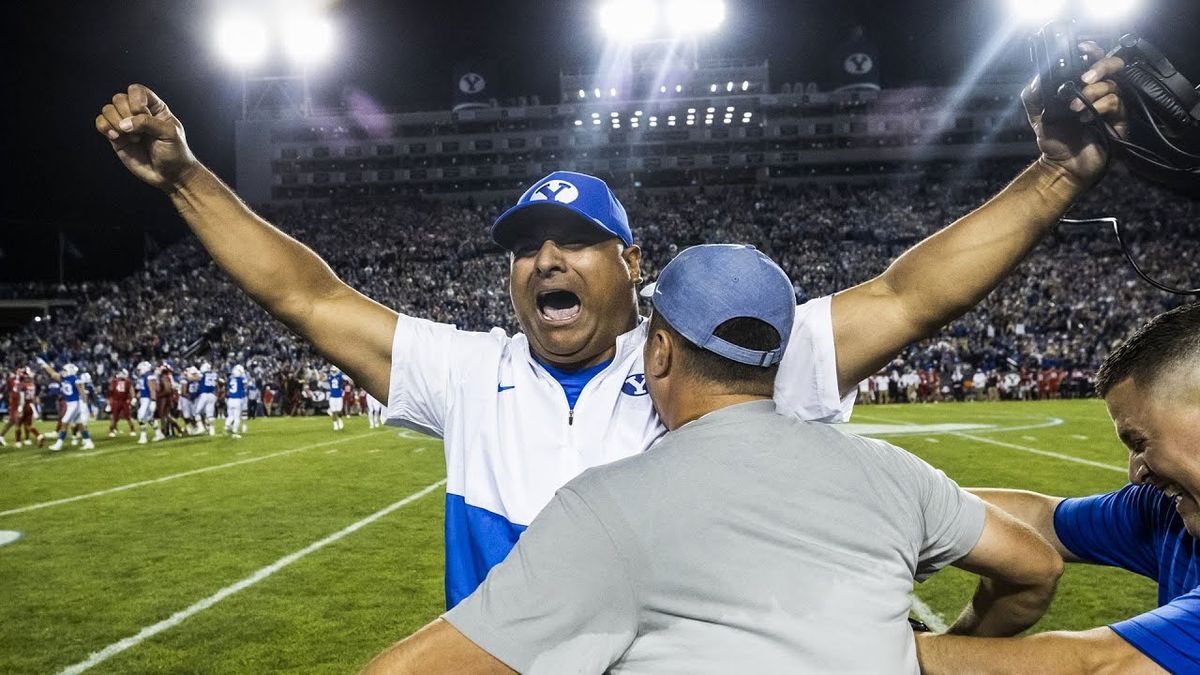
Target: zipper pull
point(571, 417)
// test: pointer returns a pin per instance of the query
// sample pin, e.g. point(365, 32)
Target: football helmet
point(144, 367)
point(334, 369)
point(239, 371)
point(70, 369)
point(205, 367)
point(85, 378)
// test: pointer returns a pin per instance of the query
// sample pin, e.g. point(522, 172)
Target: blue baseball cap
point(705, 286)
point(564, 193)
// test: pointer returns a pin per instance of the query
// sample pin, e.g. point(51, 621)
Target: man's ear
point(633, 258)
point(659, 354)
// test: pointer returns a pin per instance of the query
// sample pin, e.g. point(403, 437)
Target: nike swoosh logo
point(501, 387)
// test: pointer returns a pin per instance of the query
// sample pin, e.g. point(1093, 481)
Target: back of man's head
point(712, 370)
point(722, 318)
point(1167, 345)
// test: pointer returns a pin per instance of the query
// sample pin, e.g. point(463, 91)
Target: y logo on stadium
point(557, 190)
point(635, 385)
point(471, 83)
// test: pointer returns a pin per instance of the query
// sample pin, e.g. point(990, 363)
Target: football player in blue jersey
point(235, 401)
point(147, 389)
point(336, 404)
point(189, 391)
point(206, 399)
point(1151, 527)
point(75, 418)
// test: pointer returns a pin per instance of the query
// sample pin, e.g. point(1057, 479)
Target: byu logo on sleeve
point(635, 385)
point(558, 190)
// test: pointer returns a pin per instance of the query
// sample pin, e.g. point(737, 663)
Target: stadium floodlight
point(612, 92)
point(1110, 9)
point(1036, 11)
point(628, 20)
point(582, 94)
point(308, 39)
point(713, 88)
point(745, 85)
point(597, 92)
point(694, 17)
point(241, 39)
point(678, 88)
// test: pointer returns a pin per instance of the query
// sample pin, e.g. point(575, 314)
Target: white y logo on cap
point(559, 190)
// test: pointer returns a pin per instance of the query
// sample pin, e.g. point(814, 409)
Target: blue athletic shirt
point(208, 383)
point(1138, 529)
point(335, 386)
point(193, 389)
point(573, 382)
point(237, 387)
point(70, 390)
point(144, 385)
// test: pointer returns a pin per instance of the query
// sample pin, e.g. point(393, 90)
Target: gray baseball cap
point(705, 286)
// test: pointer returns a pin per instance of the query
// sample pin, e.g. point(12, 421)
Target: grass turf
point(203, 514)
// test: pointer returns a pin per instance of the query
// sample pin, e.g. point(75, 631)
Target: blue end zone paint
point(8, 536)
point(476, 541)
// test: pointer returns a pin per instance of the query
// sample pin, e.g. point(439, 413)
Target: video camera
point(1163, 110)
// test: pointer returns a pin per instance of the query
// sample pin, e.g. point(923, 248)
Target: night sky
point(63, 60)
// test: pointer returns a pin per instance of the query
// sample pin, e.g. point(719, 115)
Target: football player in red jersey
point(12, 391)
point(165, 404)
point(120, 397)
point(29, 411)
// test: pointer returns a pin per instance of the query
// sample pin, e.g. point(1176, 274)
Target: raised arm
point(1018, 575)
point(278, 272)
point(944, 276)
point(54, 375)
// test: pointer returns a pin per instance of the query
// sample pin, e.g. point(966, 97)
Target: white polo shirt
point(511, 440)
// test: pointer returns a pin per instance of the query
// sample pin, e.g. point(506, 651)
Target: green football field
point(298, 549)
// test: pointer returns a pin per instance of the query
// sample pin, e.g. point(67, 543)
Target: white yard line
point(179, 617)
point(86, 454)
point(1045, 453)
point(163, 479)
point(927, 616)
point(1052, 422)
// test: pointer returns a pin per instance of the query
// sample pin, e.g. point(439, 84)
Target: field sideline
point(303, 550)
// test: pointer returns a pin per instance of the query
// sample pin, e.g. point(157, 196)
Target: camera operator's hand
point(147, 138)
point(1071, 145)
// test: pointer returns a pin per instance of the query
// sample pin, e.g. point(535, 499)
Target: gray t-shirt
point(745, 541)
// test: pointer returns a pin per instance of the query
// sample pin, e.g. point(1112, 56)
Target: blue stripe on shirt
point(476, 541)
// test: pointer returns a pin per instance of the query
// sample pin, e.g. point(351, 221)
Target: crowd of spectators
point(1060, 311)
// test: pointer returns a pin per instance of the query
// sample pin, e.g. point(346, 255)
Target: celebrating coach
point(523, 415)
point(745, 541)
point(1152, 526)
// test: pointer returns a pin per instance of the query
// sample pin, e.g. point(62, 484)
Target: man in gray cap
point(745, 540)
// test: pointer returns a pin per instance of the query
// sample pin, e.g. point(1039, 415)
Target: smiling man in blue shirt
point(1151, 526)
